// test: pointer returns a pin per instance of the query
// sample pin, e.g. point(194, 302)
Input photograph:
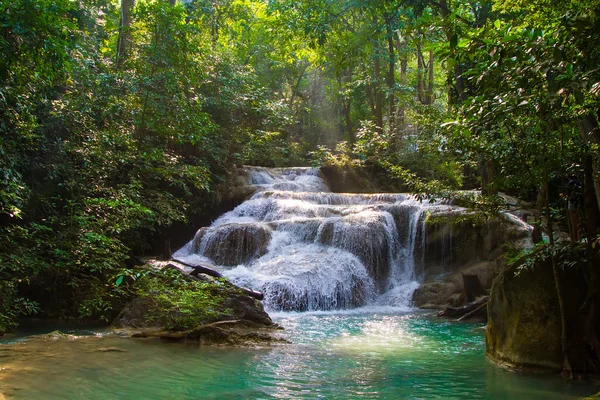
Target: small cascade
point(307, 248)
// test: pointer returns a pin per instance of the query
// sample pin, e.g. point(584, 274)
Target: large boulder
point(233, 244)
point(524, 325)
point(178, 303)
point(236, 306)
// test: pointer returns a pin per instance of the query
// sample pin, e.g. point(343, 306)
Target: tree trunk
point(590, 133)
point(403, 69)
point(487, 172)
point(369, 90)
point(124, 39)
point(403, 57)
point(590, 203)
point(420, 83)
point(346, 102)
point(459, 84)
point(429, 92)
point(377, 89)
point(391, 76)
point(561, 302)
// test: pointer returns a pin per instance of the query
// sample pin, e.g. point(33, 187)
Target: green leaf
point(119, 280)
point(497, 24)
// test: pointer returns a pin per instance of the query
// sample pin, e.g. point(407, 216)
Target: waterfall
point(307, 248)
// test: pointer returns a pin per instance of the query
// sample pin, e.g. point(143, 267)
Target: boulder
point(232, 244)
point(237, 306)
point(247, 308)
point(436, 295)
point(524, 325)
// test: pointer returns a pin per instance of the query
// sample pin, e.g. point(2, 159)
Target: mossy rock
point(524, 326)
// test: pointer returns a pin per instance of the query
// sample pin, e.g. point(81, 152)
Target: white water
point(308, 249)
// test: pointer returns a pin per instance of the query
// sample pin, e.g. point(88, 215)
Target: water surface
point(361, 354)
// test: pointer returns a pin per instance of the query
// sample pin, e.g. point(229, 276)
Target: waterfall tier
point(309, 249)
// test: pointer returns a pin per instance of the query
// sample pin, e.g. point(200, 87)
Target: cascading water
point(309, 249)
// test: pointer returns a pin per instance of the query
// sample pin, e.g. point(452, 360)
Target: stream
point(372, 353)
point(338, 272)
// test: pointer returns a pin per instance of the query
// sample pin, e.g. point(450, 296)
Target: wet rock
point(458, 244)
point(58, 335)
point(136, 321)
point(364, 235)
point(236, 333)
point(237, 305)
point(233, 244)
point(244, 307)
point(436, 294)
point(135, 314)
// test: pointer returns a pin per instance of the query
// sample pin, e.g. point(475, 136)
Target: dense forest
point(119, 120)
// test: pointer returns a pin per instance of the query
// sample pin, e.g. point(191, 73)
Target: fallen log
point(470, 309)
point(252, 293)
point(200, 269)
point(479, 310)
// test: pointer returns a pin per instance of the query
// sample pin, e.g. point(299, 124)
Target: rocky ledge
point(462, 249)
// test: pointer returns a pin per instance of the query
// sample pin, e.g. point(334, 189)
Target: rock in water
point(524, 326)
point(233, 244)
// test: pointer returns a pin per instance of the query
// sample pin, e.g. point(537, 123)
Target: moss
point(179, 303)
point(458, 219)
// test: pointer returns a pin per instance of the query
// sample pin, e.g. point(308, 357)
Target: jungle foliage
point(119, 119)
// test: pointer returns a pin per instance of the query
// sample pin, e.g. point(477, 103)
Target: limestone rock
point(524, 324)
point(456, 244)
point(233, 244)
point(435, 294)
point(244, 307)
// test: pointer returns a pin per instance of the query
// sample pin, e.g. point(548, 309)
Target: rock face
point(524, 324)
point(455, 245)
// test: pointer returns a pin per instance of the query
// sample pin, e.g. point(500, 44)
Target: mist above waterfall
point(310, 249)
